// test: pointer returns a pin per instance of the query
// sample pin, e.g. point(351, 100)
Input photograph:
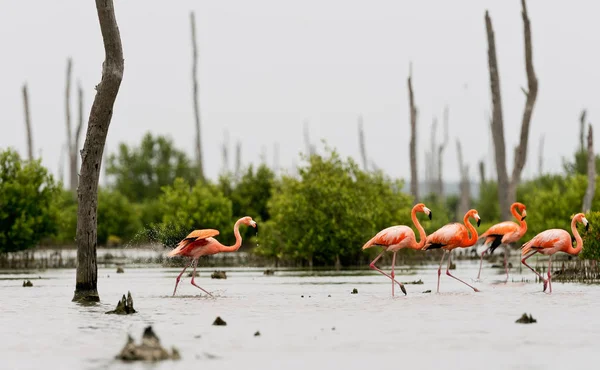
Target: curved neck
point(522, 223)
point(238, 239)
point(473, 238)
point(578, 240)
point(422, 235)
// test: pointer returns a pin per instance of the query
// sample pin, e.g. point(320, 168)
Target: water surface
point(327, 328)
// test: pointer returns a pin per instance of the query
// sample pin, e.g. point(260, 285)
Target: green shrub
point(116, 216)
point(28, 212)
point(591, 238)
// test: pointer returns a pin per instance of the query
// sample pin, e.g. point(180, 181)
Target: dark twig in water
point(149, 350)
point(524, 319)
point(124, 306)
point(219, 321)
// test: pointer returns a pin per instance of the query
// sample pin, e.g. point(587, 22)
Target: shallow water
point(327, 328)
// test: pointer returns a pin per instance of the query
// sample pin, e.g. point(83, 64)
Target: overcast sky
point(268, 65)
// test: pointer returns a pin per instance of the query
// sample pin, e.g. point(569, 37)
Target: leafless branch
point(199, 157)
point(582, 130)
point(361, 143)
point(591, 173)
point(440, 180)
point(414, 181)
point(28, 123)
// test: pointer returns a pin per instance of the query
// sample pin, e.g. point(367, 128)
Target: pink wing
point(546, 239)
point(390, 236)
point(448, 234)
point(502, 228)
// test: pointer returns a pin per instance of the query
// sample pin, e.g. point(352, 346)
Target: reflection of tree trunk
point(361, 143)
point(28, 123)
point(465, 185)
point(199, 159)
point(591, 173)
point(91, 155)
point(507, 190)
point(414, 186)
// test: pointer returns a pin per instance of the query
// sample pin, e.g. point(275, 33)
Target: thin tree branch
point(199, 157)
point(414, 186)
point(361, 143)
point(28, 123)
point(591, 173)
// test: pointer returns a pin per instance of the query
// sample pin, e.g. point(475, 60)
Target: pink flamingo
point(451, 236)
point(394, 238)
point(201, 243)
point(505, 233)
point(551, 241)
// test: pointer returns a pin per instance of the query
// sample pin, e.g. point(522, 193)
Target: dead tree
point(481, 175)
point(276, 158)
point(199, 159)
point(465, 186)
point(91, 155)
point(507, 188)
point(361, 143)
point(310, 148)
point(541, 156)
point(414, 181)
point(28, 123)
point(431, 159)
point(238, 159)
point(582, 130)
point(440, 153)
point(591, 173)
point(225, 152)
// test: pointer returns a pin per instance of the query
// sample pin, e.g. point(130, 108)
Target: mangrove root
point(124, 306)
point(219, 275)
point(526, 319)
point(149, 350)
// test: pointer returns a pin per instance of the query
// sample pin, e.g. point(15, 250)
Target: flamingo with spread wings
point(202, 243)
point(505, 233)
point(450, 237)
point(551, 241)
point(394, 238)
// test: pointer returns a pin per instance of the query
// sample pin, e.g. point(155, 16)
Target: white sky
point(267, 65)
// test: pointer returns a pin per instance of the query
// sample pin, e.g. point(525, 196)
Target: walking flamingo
point(201, 243)
point(505, 233)
point(551, 241)
point(451, 236)
point(394, 238)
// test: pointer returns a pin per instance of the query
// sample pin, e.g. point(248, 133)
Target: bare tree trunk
point(481, 175)
point(582, 130)
point(532, 84)
point(432, 163)
point(28, 123)
point(541, 156)
point(276, 158)
point(465, 186)
point(72, 165)
point(74, 149)
point(238, 159)
point(310, 148)
point(361, 143)
point(91, 155)
point(414, 181)
point(225, 152)
point(199, 159)
point(497, 122)
point(591, 173)
point(440, 179)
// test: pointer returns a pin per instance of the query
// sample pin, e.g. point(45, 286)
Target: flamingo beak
point(478, 222)
point(524, 215)
point(253, 224)
point(587, 226)
point(428, 211)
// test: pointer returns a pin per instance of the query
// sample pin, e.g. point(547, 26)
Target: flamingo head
point(420, 207)
point(581, 218)
point(473, 213)
point(248, 221)
point(523, 209)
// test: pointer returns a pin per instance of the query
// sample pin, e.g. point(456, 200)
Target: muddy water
point(327, 328)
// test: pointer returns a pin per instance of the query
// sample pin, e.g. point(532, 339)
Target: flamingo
point(505, 233)
point(201, 243)
point(394, 238)
point(451, 236)
point(551, 241)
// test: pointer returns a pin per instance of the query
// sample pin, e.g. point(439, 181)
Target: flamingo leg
point(372, 265)
point(529, 267)
point(194, 275)
point(440, 270)
point(454, 277)
point(481, 261)
point(394, 275)
point(550, 274)
point(179, 277)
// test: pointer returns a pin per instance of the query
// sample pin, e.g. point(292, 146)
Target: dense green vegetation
point(322, 216)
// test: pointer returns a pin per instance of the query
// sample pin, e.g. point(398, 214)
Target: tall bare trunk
point(440, 153)
point(361, 143)
point(481, 176)
point(497, 121)
point(507, 190)
point(531, 94)
point(28, 123)
point(582, 130)
point(238, 159)
point(591, 173)
point(432, 160)
point(199, 159)
point(310, 148)
point(276, 158)
point(465, 185)
point(225, 152)
point(414, 181)
point(86, 288)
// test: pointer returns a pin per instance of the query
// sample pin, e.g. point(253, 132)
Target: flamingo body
point(551, 241)
point(394, 238)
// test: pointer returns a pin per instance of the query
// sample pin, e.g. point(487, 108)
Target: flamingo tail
point(180, 247)
point(370, 243)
